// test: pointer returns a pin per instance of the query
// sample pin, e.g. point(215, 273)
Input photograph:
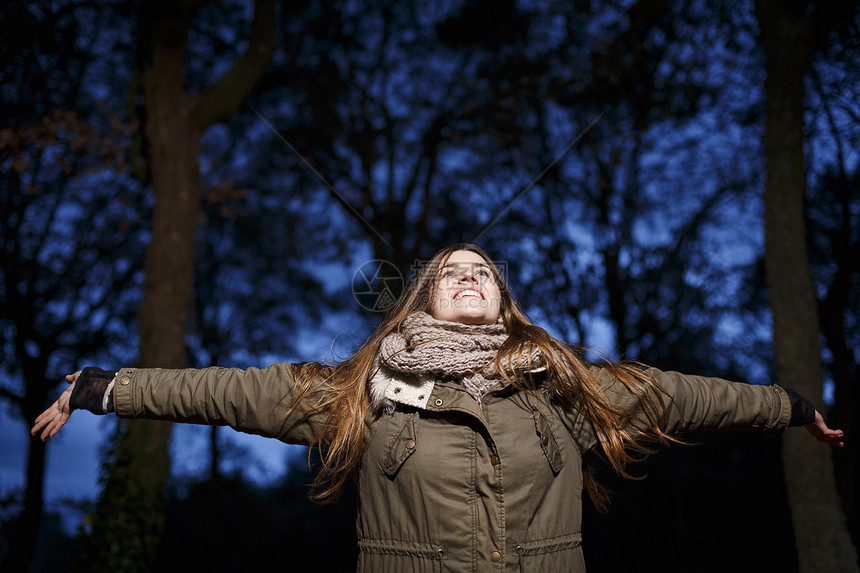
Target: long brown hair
point(342, 391)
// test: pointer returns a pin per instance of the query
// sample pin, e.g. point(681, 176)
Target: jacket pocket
point(548, 442)
point(401, 443)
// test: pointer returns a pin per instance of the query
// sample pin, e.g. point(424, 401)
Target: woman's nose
point(468, 277)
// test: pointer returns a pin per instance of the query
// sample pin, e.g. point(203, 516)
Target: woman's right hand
point(51, 420)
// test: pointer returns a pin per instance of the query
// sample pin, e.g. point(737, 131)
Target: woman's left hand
point(819, 429)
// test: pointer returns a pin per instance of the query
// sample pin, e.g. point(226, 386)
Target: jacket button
point(410, 444)
point(494, 460)
point(438, 401)
point(124, 380)
point(520, 549)
point(496, 556)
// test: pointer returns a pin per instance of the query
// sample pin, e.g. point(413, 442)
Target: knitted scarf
point(464, 353)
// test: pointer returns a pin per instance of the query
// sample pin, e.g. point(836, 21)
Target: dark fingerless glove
point(93, 391)
point(802, 410)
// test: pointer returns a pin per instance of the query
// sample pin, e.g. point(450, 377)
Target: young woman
point(463, 423)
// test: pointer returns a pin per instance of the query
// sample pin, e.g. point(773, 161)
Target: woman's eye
point(482, 274)
point(449, 274)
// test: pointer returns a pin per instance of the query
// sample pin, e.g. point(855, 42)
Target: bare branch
point(219, 101)
point(7, 394)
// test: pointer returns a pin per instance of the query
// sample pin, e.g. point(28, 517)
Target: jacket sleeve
point(254, 401)
point(698, 403)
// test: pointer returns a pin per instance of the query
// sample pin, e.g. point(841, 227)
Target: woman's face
point(466, 291)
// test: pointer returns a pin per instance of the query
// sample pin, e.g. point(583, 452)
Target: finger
point(53, 428)
point(40, 422)
point(61, 424)
point(834, 437)
point(43, 418)
point(70, 378)
point(38, 425)
point(46, 433)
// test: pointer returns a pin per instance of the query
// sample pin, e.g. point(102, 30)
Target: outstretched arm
point(254, 400)
point(695, 403)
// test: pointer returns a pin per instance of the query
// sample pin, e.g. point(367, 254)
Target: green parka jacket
point(447, 484)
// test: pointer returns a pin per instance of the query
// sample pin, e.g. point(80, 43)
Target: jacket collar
point(388, 387)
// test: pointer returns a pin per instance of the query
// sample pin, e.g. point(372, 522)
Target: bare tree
point(823, 543)
point(129, 516)
point(71, 237)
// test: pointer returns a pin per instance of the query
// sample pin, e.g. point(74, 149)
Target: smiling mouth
point(468, 293)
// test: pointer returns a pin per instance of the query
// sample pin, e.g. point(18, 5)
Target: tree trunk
point(27, 526)
point(833, 310)
point(130, 514)
point(822, 539)
point(129, 518)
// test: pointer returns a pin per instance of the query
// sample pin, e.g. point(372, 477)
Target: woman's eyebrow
point(462, 265)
